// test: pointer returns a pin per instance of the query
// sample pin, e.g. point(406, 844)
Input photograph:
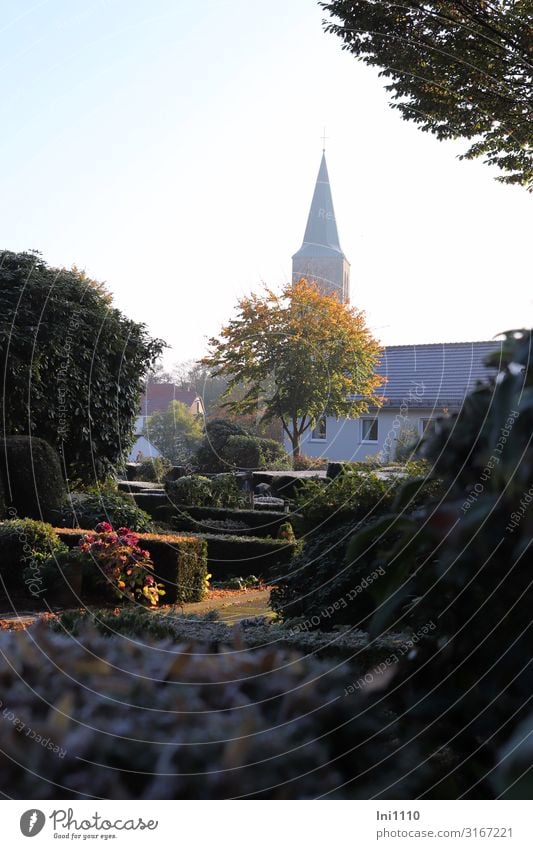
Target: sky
point(170, 149)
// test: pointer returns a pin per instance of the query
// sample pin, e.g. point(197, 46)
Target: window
point(427, 427)
point(320, 429)
point(369, 430)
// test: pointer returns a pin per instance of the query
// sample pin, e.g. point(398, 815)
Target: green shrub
point(88, 508)
point(31, 475)
point(191, 490)
point(254, 452)
point(25, 544)
point(322, 590)
point(210, 455)
point(358, 496)
point(225, 493)
point(153, 470)
point(350, 496)
point(199, 491)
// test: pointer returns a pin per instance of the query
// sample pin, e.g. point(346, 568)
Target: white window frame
point(316, 429)
point(375, 421)
point(423, 424)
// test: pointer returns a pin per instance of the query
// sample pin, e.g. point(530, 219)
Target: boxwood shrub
point(31, 476)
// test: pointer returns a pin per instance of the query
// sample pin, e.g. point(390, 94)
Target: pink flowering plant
point(123, 564)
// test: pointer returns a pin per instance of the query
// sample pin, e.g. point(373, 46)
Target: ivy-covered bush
point(25, 545)
point(31, 477)
point(87, 508)
point(58, 579)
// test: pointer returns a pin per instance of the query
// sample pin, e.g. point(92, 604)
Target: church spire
point(320, 257)
point(321, 237)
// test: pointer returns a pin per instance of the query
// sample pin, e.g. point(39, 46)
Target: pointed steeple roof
point(321, 237)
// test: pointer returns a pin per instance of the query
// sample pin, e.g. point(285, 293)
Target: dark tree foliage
point(464, 564)
point(72, 366)
point(457, 69)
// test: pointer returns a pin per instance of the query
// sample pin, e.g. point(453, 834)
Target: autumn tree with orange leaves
point(300, 354)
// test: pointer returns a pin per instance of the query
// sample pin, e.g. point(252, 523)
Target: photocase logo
point(32, 822)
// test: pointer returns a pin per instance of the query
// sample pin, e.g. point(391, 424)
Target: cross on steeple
point(324, 137)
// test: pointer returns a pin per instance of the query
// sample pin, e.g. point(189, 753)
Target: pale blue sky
point(170, 148)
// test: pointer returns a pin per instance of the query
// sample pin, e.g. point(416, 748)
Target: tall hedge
point(72, 366)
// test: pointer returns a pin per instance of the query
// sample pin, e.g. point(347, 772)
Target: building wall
point(331, 273)
point(344, 436)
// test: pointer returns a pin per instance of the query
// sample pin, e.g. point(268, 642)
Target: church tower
point(320, 258)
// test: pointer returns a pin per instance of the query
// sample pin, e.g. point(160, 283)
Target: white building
point(423, 382)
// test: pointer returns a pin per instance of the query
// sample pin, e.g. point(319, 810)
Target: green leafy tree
point(301, 355)
point(458, 69)
point(72, 366)
point(175, 432)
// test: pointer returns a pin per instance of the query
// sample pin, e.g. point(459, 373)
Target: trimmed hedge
point(261, 523)
point(180, 562)
point(233, 556)
point(150, 502)
point(30, 471)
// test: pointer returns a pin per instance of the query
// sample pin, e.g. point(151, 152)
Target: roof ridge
point(439, 344)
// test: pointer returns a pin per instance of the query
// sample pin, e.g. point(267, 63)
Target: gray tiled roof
point(435, 374)
point(321, 238)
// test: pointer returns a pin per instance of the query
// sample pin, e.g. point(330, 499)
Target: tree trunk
point(295, 440)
